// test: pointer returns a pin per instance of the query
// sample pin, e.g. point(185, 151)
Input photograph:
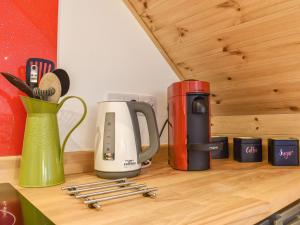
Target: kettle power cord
point(148, 162)
point(163, 127)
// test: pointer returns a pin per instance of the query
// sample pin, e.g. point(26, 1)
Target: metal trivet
point(83, 191)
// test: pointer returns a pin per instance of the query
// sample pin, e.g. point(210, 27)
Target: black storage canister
point(247, 149)
point(223, 152)
point(283, 152)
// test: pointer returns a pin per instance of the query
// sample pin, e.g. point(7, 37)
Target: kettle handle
point(76, 125)
point(147, 110)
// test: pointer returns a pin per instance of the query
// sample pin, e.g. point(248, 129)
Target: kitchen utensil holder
point(82, 191)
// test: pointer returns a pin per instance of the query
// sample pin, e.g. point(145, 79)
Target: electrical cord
point(148, 162)
point(163, 127)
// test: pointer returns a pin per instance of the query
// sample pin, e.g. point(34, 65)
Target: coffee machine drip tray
point(15, 209)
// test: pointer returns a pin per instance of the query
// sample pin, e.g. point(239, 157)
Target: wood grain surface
point(262, 126)
point(248, 50)
point(74, 162)
point(229, 193)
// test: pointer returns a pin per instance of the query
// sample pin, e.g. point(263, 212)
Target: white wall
point(104, 50)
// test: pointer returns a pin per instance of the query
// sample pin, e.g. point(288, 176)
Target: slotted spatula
point(42, 66)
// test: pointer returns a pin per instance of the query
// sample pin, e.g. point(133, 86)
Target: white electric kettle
point(118, 141)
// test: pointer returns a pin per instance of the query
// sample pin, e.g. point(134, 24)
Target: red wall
point(28, 28)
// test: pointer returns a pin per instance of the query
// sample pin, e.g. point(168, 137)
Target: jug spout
point(33, 105)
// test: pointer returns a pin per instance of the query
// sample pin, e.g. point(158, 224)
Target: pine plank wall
point(248, 50)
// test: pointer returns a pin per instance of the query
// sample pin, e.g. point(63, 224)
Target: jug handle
point(76, 125)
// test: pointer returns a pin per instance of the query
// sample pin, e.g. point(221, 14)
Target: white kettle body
point(118, 151)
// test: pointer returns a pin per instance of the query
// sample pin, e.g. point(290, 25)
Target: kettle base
point(116, 175)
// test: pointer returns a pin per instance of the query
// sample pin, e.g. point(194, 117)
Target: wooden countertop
point(229, 193)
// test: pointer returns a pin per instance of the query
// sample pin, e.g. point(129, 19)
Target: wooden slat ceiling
point(249, 50)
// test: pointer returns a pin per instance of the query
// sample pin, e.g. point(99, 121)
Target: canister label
point(251, 150)
point(285, 154)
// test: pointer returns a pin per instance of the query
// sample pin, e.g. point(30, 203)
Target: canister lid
point(283, 141)
point(219, 138)
point(247, 140)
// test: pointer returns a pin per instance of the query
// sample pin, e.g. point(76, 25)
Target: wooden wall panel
point(263, 126)
point(257, 125)
point(248, 50)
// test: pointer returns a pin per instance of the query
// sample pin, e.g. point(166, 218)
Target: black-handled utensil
point(18, 83)
point(64, 80)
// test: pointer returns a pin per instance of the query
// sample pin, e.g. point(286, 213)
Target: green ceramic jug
point(42, 156)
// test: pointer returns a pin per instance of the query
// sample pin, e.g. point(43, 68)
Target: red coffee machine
point(189, 125)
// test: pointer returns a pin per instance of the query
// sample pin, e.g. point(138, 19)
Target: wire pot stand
point(112, 189)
